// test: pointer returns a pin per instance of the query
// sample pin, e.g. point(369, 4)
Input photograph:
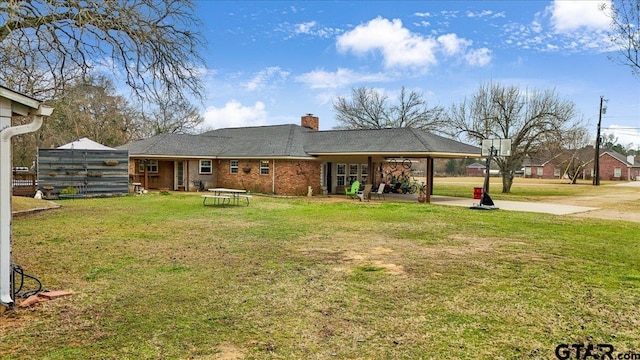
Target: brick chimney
point(310, 121)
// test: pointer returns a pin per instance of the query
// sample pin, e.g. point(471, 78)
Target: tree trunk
point(507, 181)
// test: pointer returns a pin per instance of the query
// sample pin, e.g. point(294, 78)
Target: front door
point(178, 184)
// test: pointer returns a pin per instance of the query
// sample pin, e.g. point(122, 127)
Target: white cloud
point(310, 28)
point(568, 16)
point(422, 14)
point(261, 78)
point(479, 57)
point(422, 24)
point(305, 28)
point(320, 79)
point(485, 13)
point(234, 114)
point(452, 44)
point(398, 46)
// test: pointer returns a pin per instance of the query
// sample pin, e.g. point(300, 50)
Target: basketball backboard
point(502, 147)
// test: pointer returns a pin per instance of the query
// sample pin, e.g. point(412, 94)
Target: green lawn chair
point(355, 187)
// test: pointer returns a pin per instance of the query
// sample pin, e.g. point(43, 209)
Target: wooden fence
point(79, 173)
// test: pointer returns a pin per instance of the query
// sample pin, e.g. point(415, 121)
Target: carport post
point(429, 180)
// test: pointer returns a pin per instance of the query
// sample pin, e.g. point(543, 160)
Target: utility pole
point(596, 158)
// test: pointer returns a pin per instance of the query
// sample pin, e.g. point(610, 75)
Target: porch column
point(145, 162)
point(371, 172)
point(429, 179)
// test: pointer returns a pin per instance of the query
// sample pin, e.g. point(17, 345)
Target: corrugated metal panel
point(89, 172)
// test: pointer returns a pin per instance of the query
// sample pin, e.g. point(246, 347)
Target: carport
point(374, 148)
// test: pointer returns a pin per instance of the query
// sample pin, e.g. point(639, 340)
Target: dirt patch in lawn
point(621, 203)
point(229, 352)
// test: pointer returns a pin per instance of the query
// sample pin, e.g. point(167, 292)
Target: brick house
point(613, 165)
point(282, 159)
point(549, 165)
point(475, 169)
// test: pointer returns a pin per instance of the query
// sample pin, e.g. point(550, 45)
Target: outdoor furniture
point(380, 191)
point(217, 199)
point(355, 187)
point(364, 194)
point(137, 188)
point(233, 195)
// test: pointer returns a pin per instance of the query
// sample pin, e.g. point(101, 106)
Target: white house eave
point(169, 157)
point(267, 157)
point(404, 154)
point(21, 103)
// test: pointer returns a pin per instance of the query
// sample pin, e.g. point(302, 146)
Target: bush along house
point(282, 159)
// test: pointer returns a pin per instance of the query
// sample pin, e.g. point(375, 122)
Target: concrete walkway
point(546, 208)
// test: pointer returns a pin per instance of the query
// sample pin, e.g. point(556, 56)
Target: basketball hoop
point(491, 148)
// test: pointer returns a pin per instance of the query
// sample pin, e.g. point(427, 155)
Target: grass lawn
point(161, 276)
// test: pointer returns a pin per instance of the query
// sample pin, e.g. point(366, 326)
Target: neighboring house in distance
point(475, 169)
point(282, 159)
point(548, 165)
point(613, 165)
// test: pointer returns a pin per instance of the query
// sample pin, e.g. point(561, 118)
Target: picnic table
point(223, 196)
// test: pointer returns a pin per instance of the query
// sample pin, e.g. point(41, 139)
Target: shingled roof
point(293, 141)
point(406, 141)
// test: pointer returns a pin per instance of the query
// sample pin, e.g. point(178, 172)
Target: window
point(353, 172)
point(364, 172)
point(540, 171)
point(617, 172)
point(341, 174)
point(527, 171)
point(556, 172)
point(152, 166)
point(264, 167)
point(233, 166)
point(205, 167)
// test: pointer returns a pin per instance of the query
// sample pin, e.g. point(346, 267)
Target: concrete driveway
point(546, 208)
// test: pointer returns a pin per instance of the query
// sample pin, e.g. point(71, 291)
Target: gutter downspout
point(273, 178)
point(6, 297)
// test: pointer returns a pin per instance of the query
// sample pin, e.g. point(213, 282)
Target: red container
point(477, 193)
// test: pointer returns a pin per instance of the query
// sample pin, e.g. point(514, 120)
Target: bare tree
point(153, 44)
point(625, 33)
point(531, 119)
point(172, 116)
point(572, 153)
point(369, 109)
point(92, 109)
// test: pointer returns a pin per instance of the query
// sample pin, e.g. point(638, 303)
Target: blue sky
point(272, 62)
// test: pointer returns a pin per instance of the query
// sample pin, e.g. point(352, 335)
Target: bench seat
point(246, 197)
point(222, 198)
